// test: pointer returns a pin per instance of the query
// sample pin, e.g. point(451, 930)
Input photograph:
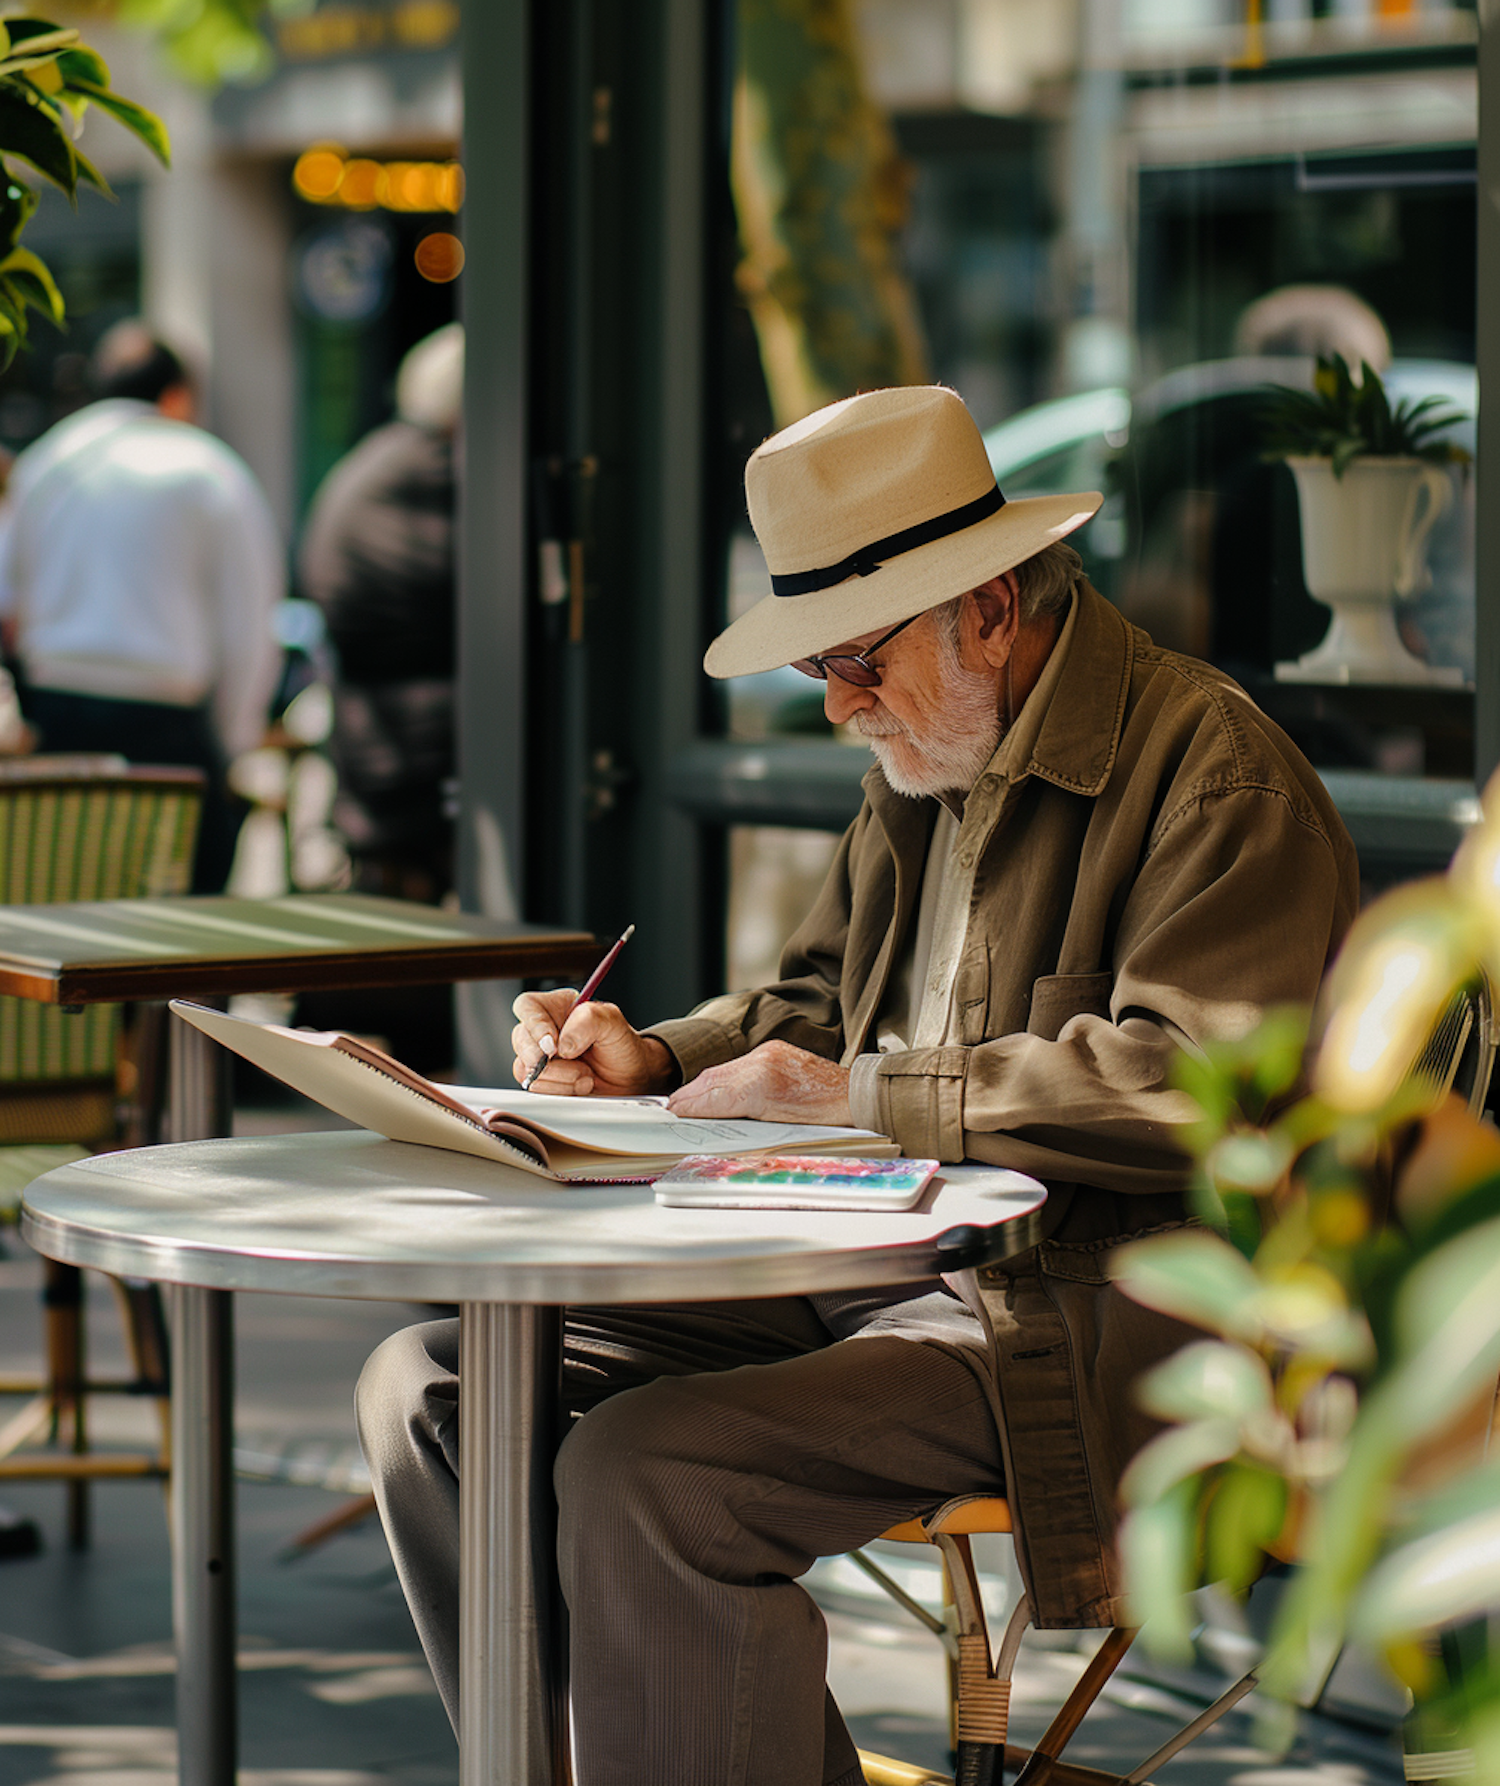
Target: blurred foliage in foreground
point(1349, 1276)
point(48, 79)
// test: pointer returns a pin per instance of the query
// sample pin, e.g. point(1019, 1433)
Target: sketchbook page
point(384, 1063)
point(353, 1088)
point(644, 1126)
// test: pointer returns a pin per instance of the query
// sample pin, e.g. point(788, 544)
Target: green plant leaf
point(1341, 419)
point(89, 173)
point(1157, 1545)
point(1252, 1160)
point(34, 131)
point(1447, 1576)
point(1207, 1083)
point(146, 125)
point(1244, 1518)
point(17, 202)
point(1197, 1277)
point(27, 65)
point(1241, 1223)
point(1477, 1491)
point(1174, 1456)
point(30, 273)
point(1208, 1380)
point(1345, 451)
point(83, 64)
point(34, 31)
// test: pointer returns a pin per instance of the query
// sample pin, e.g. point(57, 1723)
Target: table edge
point(111, 982)
point(691, 1279)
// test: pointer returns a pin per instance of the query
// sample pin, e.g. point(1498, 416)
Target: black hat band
point(870, 558)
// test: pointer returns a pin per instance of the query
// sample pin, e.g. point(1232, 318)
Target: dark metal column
point(1487, 355)
point(511, 1691)
point(201, 1507)
point(592, 144)
point(202, 1521)
point(493, 708)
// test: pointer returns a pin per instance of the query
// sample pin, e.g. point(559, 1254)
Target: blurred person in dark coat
point(377, 557)
point(139, 564)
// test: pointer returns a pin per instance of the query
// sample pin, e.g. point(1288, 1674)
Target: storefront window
point(1112, 225)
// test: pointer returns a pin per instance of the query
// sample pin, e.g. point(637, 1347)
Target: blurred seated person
point(1310, 320)
point(139, 565)
point(377, 557)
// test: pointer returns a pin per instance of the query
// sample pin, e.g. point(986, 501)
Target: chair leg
point(343, 1519)
point(62, 1296)
point(1191, 1732)
point(983, 1682)
point(1043, 1764)
point(881, 1770)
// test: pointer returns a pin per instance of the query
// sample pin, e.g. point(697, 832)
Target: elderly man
point(1078, 854)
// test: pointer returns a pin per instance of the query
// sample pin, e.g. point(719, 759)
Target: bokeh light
point(325, 175)
point(362, 187)
point(318, 173)
point(440, 257)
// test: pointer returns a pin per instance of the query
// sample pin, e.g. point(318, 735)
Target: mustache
point(878, 724)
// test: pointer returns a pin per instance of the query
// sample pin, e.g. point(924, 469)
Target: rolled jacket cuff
point(917, 1098)
point(864, 1094)
point(696, 1043)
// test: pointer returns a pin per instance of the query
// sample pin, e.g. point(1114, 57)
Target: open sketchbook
point(598, 1140)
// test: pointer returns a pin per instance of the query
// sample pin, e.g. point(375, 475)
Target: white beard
point(947, 753)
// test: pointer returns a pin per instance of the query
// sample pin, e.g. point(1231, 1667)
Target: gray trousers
point(715, 1452)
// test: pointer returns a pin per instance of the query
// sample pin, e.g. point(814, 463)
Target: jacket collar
point(1072, 740)
point(1076, 736)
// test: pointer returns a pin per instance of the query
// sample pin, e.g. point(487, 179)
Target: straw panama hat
point(871, 511)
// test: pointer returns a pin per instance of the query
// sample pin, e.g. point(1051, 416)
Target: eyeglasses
point(850, 666)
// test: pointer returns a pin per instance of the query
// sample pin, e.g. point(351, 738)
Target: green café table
point(72, 955)
point(106, 951)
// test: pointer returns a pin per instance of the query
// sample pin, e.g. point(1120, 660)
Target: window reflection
point(1110, 224)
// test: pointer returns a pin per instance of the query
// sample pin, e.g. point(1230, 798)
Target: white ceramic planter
point(1364, 547)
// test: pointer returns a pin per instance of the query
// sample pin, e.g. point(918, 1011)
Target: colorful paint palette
point(794, 1181)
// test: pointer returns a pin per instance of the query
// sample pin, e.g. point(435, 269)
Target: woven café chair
point(1459, 1057)
point(79, 828)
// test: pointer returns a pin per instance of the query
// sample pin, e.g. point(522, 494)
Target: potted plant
point(1372, 481)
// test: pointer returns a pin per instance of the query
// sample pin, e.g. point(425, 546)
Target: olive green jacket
point(1153, 864)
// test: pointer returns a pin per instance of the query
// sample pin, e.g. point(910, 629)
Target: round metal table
point(350, 1214)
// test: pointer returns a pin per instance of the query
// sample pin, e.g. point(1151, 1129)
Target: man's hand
point(772, 1083)
point(593, 1051)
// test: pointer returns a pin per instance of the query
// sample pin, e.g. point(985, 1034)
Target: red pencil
point(590, 986)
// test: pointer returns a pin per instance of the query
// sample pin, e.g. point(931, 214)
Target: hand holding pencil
point(576, 1045)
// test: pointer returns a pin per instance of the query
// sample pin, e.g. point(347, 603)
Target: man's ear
point(997, 605)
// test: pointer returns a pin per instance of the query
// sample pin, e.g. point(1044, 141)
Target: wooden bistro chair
point(1459, 1057)
point(79, 829)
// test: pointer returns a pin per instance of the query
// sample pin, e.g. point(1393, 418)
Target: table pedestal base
point(202, 1521)
point(510, 1691)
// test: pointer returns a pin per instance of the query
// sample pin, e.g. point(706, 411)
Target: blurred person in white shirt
point(139, 565)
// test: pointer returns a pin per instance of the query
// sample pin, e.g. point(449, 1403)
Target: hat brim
point(781, 628)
